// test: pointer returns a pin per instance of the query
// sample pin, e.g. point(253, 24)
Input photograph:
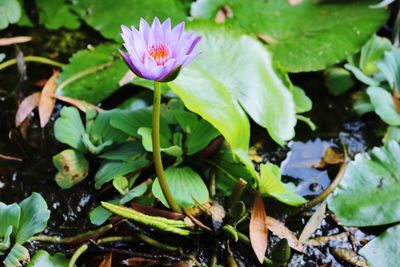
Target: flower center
point(160, 53)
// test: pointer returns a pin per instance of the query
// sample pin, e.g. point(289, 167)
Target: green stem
point(73, 239)
point(154, 243)
point(157, 151)
point(43, 60)
point(237, 191)
point(77, 254)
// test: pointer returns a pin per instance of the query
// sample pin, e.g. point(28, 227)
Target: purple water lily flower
point(158, 52)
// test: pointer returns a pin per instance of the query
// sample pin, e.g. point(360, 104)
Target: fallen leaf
point(323, 240)
point(266, 38)
point(313, 223)
point(82, 105)
point(217, 213)
point(258, 229)
point(280, 230)
point(350, 256)
point(294, 2)
point(26, 107)
point(331, 157)
point(14, 40)
point(107, 261)
point(223, 13)
point(47, 100)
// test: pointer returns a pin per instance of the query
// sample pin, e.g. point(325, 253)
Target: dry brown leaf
point(26, 107)
point(82, 105)
point(266, 38)
point(14, 40)
point(350, 256)
point(258, 230)
point(323, 240)
point(280, 230)
point(396, 100)
point(331, 157)
point(313, 223)
point(47, 100)
point(107, 261)
point(294, 2)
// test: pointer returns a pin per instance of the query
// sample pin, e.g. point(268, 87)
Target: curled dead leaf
point(350, 256)
point(280, 230)
point(26, 107)
point(47, 100)
point(258, 230)
point(107, 261)
point(82, 105)
point(323, 240)
point(331, 157)
point(313, 223)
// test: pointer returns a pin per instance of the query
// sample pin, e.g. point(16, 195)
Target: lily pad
point(95, 73)
point(55, 14)
point(306, 36)
point(127, 12)
point(234, 75)
point(370, 190)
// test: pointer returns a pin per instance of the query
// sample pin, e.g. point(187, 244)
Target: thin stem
point(73, 239)
point(43, 60)
point(237, 191)
point(154, 243)
point(77, 254)
point(321, 197)
point(157, 151)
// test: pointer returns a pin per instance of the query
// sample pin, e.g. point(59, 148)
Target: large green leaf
point(382, 101)
point(370, 190)
point(186, 186)
point(10, 216)
point(234, 74)
point(100, 69)
point(34, 216)
point(55, 14)
point(44, 259)
point(383, 251)
point(106, 16)
point(10, 12)
point(270, 184)
point(306, 36)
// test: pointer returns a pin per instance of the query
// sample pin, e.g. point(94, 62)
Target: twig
point(237, 191)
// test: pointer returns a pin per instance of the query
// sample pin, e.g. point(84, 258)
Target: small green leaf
point(68, 128)
point(101, 131)
point(72, 168)
point(361, 76)
point(185, 119)
point(382, 101)
point(392, 133)
point(200, 136)
point(186, 186)
point(127, 151)
point(270, 184)
point(370, 190)
point(338, 80)
point(302, 102)
point(44, 259)
point(134, 192)
point(121, 184)
point(99, 214)
point(17, 255)
point(383, 251)
point(130, 121)
point(55, 14)
point(10, 12)
point(111, 169)
point(96, 73)
point(390, 67)
point(34, 216)
point(10, 216)
point(166, 146)
point(373, 51)
point(5, 240)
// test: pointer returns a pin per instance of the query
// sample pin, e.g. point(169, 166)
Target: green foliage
point(224, 83)
point(370, 189)
point(338, 80)
point(55, 14)
point(44, 259)
point(68, 128)
point(383, 104)
point(72, 168)
point(270, 184)
point(10, 12)
point(383, 251)
point(101, 15)
point(18, 223)
point(390, 67)
point(186, 186)
point(96, 73)
point(304, 37)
